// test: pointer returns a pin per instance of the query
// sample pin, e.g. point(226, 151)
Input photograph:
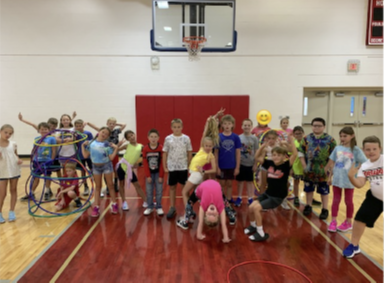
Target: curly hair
point(212, 131)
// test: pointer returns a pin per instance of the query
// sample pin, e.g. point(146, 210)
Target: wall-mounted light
point(320, 94)
point(379, 94)
point(155, 62)
point(339, 94)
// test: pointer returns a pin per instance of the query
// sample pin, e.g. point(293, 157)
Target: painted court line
point(74, 252)
point(367, 276)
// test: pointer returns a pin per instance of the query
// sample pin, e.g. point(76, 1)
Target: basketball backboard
point(212, 19)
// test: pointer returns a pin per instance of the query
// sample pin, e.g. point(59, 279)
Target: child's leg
point(263, 181)
point(358, 231)
point(223, 186)
point(296, 187)
point(349, 204)
point(255, 213)
point(229, 185)
point(150, 191)
point(110, 186)
point(122, 190)
point(13, 190)
point(336, 201)
point(98, 187)
point(3, 192)
point(250, 190)
point(240, 188)
point(172, 195)
point(139, 191)
point(186, 191)
point(35, 183)
point(159, 190)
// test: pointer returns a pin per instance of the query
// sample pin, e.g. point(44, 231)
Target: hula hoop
point(282, 135)
point(84, 137)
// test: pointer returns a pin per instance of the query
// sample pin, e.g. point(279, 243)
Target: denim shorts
point(105, 168)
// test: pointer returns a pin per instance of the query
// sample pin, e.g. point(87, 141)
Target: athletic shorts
point(175, 177)
point(370, 210)
point(41, 168)
point(268, 202)
point(245, 174)
point(195, 177)
point(122, 175)
point(322, 187)
point(226, 174)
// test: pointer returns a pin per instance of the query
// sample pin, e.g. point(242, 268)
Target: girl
point(284, 123)
point(299, 162)
point(69, 189)
point(102, 153)
point(341, 160)
point(66, 151)
point(9, 170)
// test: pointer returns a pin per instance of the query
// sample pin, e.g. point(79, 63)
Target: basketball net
point(194, 45)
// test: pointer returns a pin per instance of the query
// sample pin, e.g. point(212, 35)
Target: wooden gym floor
point(131, 247)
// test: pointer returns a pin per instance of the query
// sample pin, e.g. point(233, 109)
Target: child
point(372, 207)
point(284, 123)
point(211, 210)
point(9, 170)
point(66, 151)
point(130, 158)
point(298, 164)
point(69, 189)
point(317, 148)
point(248, 165)
point(115, 128)
point(153, 170)
point(79, 127)
point(278, 170)
point(101, 152)
point(341, 159)
point(44, 159)
point(228, 156)
point(177, 154)
point(259, 130)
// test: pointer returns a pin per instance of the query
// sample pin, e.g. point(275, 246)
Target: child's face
point(212, 213)
point(227, 126)
point(6, 133)
point(65, 120)
point(246, 127)
point(43, 131)
point(104, 134)
point(70, 172)
point(131, 138)
point(318, 128)
point(277, 158)
point(153, 138)
point(345, 139)
point(111, 124)
point(298, 135)
point(208, 146)
point(177, 129)
point(52, 126)
point(372, 151)
point(79, 127)
point(284, 124)
point(271, 140)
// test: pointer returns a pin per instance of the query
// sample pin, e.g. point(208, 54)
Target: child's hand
point(20, 117)
point(166, 169)
point(255, 168)
point(19, 161)
point(220, 112)
point(149, 180)
point(201, 236)
point(74, 115)
point(218, 172)
point(200, 169)
point(160, 180)
point(67, 140)
point(226, 240)
point(114, 146)
point(353, 170)
point(236, 172)
point(121, 142)
point(86, 143)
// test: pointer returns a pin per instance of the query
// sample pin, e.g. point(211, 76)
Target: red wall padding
point(157, 111)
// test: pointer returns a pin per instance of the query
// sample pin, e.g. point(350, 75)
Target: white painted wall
point(93, 56)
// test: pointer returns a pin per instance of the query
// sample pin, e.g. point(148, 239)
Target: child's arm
point(293, 150)
point(238, 161)
point(225, 233)
point(303, 162)
point(164, 161)
point(200, 236)
point(73, 115)
point(27, 122)
point(122, 126)
point(189, 157)
point(260, 154)
point(93, 126)
point(213, 167)
point(357, 182)
point(19, 161)
point(85, 152)
point(63, 191)
point(329, 170)
point(116, 149)
point(216, 153)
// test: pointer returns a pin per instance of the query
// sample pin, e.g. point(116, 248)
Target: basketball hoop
point(194, 45)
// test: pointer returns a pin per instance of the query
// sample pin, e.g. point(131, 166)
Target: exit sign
point(353, 65)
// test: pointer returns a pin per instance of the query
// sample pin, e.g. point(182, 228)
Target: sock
point(260, 231)
point(252, 223)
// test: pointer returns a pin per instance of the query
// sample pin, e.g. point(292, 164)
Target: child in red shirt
point(69, 189)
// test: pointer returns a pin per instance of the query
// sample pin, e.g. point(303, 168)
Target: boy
point(228, 156)
point(130, 158)
point(177, 154)
point(373, 206)
point(79, 127)
point(69, 189)
point(44, 158)
point(248, 164)
point(153, 170)
point(116, 128)
point(278, 171)
point(317, 148)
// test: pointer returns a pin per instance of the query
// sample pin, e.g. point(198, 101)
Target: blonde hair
point(209, 223)
point(228, 118)
point(279, 150)
point(5, 126)
point(248, 120)
point(212, 131)
point(176, 120)
point(283, 119)
point(112, 119)
point(70, 166)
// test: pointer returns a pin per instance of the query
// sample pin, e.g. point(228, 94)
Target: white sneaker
point(285, 205)
point(148, 211)
point(159, 211)
point(101, 195)
point(145, 204)
point(125, 206)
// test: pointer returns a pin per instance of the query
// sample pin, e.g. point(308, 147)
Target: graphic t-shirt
point(114, 137)
point(100, 151)
point(210, 192)
point(44, 153)
point(277, 176)
point(373, 172)
point(248, 149)
point(200, 159)
point(344, 158)
point(227, 148)
point(176, 148)
point(67, 150)
point(152, 160)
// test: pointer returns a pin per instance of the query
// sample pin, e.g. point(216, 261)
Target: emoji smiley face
point(263, 117)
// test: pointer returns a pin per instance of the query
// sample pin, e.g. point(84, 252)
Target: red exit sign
point(375, 28)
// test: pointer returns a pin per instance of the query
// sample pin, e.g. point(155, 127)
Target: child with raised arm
point(115, 128)
point(43, 161)
point(248, 164)
point(278, 171)
point(130, 160)
point(153, 170)
point(66, 151)
point(69, 189)
point(340, 161)
point(373, 206)
point(52, 122)
point(9, 170)
point(102, 153)
point(177, 154)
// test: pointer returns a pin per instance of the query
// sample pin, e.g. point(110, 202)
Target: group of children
point(316, 159)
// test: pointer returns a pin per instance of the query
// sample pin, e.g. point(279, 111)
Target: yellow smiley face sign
point(263, 117)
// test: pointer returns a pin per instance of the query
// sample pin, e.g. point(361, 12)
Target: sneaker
point(95, 212)
point(296, 201)
point(101, 194)
point(78, 203)
point(26, 198)
point(11, 216)
point(48, 194)
point(148, 211)
point(192, 217)
point(285, 205)
point(171, 213)
point(182, 223)
point(307, 210)
point(114, 208)
point(160, 211)
point(258, 238)
point(350, 251)
point(250, 230)
point(145, 204)
point(238, 202)
point(333, 226)
point(250, 201)
point(324, 214)
point(231, 216)
point(86, 191)
point(2, 220)
point(231, 200)
point(345, 226)
point(316, 202)
point(107, 192)
point(125, 206)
